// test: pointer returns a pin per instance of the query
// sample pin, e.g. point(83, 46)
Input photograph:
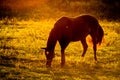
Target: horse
point(68, 30)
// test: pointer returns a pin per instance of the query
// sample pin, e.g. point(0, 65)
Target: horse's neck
point(51, 41)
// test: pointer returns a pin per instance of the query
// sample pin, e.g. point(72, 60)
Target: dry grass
point(21, 56)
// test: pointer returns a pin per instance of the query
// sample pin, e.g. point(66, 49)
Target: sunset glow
point(23, 4)
point(90, 43)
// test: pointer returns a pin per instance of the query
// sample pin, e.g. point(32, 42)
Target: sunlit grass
point(23, 58)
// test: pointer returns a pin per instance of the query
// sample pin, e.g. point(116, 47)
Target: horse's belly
point(76, 38)
point(79, 36)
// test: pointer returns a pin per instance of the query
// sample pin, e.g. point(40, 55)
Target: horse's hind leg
point(85, 46)
point(94, 48)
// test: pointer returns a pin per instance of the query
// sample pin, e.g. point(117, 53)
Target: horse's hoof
point(62, 65)
point(82, 59)
point(48, 66)
point(96, 61)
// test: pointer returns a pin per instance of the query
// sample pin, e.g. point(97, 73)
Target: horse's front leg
point(63, 43)
point(62, 58)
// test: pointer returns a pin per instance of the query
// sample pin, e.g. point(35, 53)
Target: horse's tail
point(97, 34)
point(100, 34)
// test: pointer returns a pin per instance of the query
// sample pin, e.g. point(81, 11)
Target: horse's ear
point(44, 48)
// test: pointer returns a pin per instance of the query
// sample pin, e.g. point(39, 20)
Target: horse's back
point(75, 28)
point(87, 19)
point(83, 19)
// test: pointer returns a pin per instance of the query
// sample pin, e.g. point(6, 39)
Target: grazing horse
point(67, 30)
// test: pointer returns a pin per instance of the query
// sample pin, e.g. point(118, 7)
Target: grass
point(21, 57)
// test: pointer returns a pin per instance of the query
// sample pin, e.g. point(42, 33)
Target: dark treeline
point(109, 9)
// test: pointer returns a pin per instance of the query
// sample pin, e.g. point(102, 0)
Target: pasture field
point(21, 56)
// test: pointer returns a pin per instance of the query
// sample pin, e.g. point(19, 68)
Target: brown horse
point(67, 30)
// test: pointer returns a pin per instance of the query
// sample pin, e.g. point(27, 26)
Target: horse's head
point(49, 56)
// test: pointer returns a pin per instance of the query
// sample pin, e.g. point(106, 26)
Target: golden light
point(89, 41)
point(23, 4)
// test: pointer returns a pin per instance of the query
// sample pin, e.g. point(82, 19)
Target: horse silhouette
point(68, 30)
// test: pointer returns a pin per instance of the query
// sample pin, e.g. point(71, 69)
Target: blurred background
point(42, 9)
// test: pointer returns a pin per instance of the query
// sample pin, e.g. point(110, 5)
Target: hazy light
point(22, 4)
